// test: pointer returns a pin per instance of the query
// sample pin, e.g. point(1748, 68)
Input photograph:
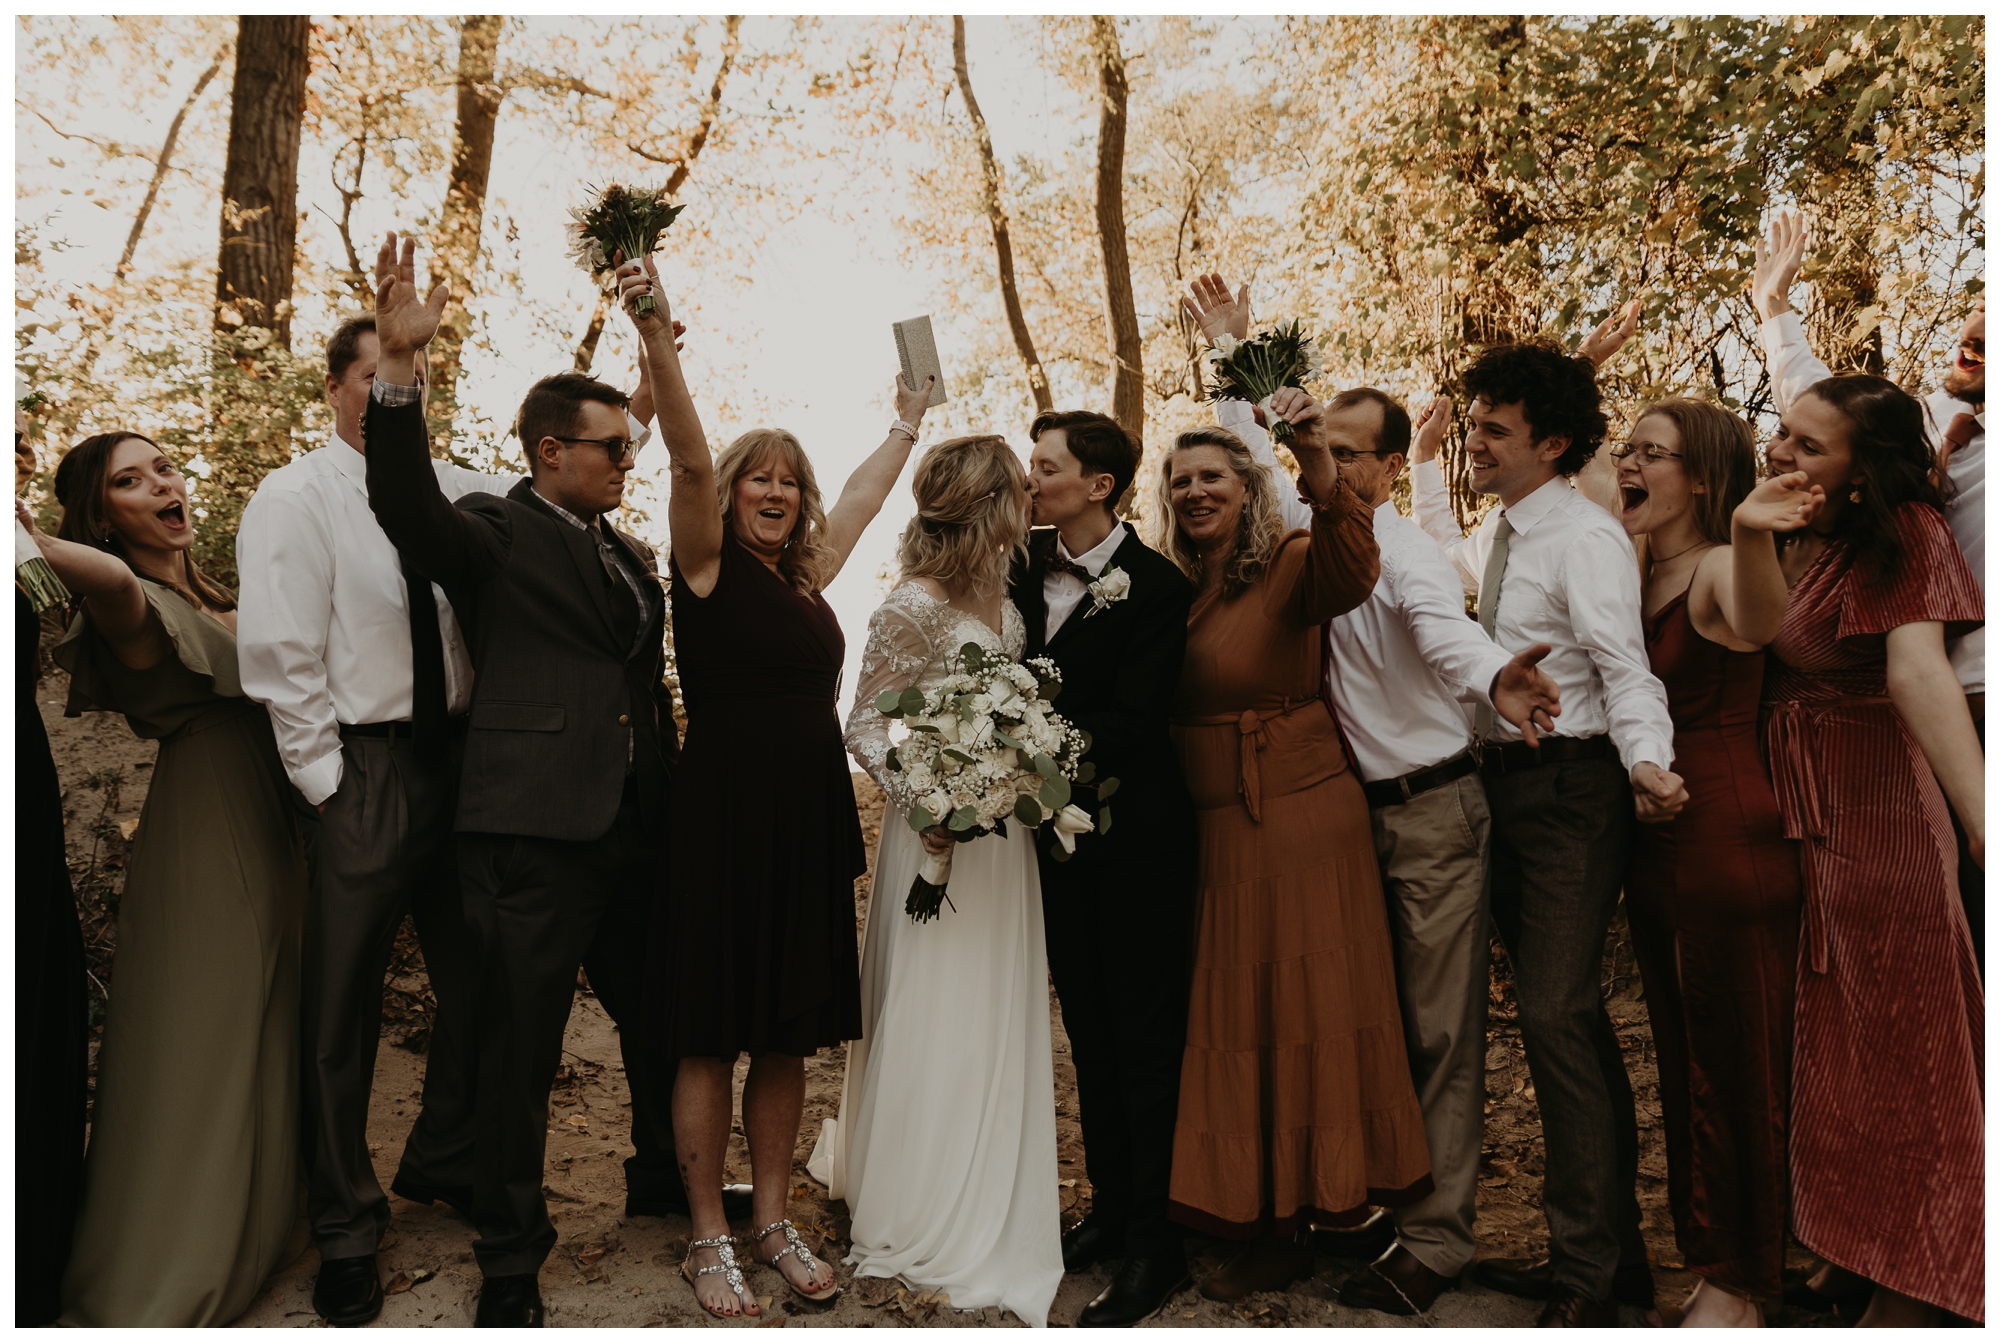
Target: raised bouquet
point(986, 746)
point(622, 221)
point(1251, 370)
point(33, 573)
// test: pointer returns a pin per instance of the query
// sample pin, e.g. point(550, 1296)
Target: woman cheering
point(1296, 1103)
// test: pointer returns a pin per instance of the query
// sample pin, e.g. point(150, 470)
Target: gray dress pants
point(382, 848)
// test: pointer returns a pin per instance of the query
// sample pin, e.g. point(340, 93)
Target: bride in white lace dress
point(945, 1146)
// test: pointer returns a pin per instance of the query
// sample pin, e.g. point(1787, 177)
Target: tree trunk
point(996, 216)
point(732, 42)
point(260, 180)
point(1128, 382)
point(457, 254)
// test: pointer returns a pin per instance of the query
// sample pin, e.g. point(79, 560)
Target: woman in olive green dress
point(192, 1191)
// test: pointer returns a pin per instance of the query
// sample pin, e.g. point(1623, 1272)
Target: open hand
point(404, 322)
point(1215, 311)
point(1780, 504)
point(1611, 335)
point(1778, 260)
point(1429, 436)
point(912, 402)
point(1526, 696)
point(1657, 794)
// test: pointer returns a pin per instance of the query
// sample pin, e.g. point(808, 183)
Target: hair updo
point(972, 515)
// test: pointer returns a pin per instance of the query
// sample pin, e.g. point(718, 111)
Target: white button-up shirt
point(323, 620)
point(1794, 368)
point(1572, 582)
point(1062, 592)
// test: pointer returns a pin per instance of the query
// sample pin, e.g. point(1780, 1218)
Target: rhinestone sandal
point(725, 1253)
point(794, 1246)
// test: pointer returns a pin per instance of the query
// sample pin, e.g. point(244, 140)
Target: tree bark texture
point(457, 254)
point(996, 217)
point(260, 180)
point(1128, 380)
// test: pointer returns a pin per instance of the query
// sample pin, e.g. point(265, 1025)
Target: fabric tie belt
point(1794, 750)
point(1252, 738)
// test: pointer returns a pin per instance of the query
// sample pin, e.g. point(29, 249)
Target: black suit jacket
point(557, 694)
point(1120, 669)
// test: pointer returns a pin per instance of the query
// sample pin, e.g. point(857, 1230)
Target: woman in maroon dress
point(1863, 722)
point(1713, 895)
point(756, 936)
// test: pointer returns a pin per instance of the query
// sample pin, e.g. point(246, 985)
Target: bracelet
point(905, 426)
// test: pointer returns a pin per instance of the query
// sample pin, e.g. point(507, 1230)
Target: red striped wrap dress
point(1887, 1138)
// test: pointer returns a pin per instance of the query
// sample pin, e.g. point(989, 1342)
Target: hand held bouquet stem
point(1251, 370)
point(623, 222)
point(986, 744)
point(33, 573)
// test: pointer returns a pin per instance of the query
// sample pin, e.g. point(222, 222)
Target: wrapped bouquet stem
point(33, 573)
point(986, 746)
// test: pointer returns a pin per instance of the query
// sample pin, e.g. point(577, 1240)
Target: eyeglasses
point(1652, 452)
point(1348, 456)
point(617, 449)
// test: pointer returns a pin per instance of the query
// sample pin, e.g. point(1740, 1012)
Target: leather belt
point(401, 730)
point(1515, 756)
point(1395, 792)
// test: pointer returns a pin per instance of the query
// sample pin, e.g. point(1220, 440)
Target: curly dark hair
point(1557, 394)
point(1891, 465)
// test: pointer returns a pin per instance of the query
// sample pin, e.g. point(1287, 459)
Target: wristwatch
point(905, 426)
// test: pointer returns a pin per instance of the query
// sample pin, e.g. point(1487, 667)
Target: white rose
point(1225, 345)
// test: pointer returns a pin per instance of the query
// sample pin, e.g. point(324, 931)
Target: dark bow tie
point(1060, 565)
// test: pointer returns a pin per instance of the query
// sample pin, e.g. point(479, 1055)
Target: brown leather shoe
point(1267, 1264)
point(1533, 1279)
point(1571, 1309)
point(1396, 1284)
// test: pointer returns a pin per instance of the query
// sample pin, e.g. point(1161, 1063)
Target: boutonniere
point(1113, 585)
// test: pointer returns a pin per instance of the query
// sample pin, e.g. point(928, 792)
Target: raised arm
point(1342, 559)
point(1787, 355)
point(1240, 419)
point(110, 591)
point(1739, 596)
point(862, 496)
point(692, 511)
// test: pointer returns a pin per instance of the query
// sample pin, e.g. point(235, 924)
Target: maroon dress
point(756, 949)
point(1888, 1122)
point(1713, 901)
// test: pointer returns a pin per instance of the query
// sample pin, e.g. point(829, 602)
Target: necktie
point(1059, 564)
point(627, 615)
point(427, 701)
point(1489, 610)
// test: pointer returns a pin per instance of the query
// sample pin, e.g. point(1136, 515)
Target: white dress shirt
point(1062, 592)
point(1794, 367)
point(1403, 665)
point(323, 623)
point(1571, 582)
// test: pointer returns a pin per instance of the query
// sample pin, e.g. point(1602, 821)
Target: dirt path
point(607, 1270)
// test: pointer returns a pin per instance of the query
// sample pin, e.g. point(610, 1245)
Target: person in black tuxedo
point(568, 749)
point(1112, 614)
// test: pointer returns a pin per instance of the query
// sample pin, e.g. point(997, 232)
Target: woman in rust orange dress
point(1296, 1104)
point(1868, 733)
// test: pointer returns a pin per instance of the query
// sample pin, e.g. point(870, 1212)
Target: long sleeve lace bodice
point(909, 637)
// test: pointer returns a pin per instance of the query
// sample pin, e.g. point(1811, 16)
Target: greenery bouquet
point(1251, 370)
point(622, 222)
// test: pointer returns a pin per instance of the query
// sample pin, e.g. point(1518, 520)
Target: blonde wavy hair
point(972, 515)
point(1258, 531)
point(806, 562)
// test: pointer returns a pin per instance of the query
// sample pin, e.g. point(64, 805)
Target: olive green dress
point(192, 1193)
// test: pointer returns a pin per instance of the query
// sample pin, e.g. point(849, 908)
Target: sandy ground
point(611, 1271)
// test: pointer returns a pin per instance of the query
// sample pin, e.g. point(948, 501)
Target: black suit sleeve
point(452, 546)
point(1148, 675)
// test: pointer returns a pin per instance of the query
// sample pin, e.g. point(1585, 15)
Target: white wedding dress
point(945, 1145)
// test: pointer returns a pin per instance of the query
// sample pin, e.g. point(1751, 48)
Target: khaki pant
point(1433, 850)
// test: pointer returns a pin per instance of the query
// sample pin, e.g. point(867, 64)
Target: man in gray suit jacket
point(567, 758)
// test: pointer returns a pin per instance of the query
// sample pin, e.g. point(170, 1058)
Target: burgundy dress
point(1713, 900)
point(756, 949)
point(1888, 1124)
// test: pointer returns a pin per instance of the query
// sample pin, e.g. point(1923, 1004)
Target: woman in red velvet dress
point(1713, 895)
point(1864, 721)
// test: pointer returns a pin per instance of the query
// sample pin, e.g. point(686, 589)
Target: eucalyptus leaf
point(1104, 820)
point(1046, 767)
point(921, 819)
point(889, 704)
point(952, 752)
point(1026, 810)
point(1055, 793)
point(894, 761)
point(963, 819)
point(1106, 789)
point(1086, 772)
point(973, 657)
point(912, 700)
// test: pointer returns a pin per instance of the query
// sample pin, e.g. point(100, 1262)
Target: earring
point(1854, 495)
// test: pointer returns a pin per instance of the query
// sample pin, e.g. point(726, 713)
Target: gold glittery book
point(916, 347)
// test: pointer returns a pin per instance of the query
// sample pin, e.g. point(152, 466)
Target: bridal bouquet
point(627, 220)
point(1251, 370)
point(986, 745)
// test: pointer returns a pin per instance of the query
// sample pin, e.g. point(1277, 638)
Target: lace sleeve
point(895, 657)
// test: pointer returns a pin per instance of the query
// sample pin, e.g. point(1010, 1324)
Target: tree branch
point(166, 157)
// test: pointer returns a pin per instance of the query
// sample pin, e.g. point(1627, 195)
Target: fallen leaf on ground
point(775, 1322)
point(402, 1282)
point(874, 1292)
point(1066, 1184)
point(129, 828)
point(580, 1121)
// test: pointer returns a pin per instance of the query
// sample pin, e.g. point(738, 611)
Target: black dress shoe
point(1366, 1241)
point(1089, 1241)
point(1848, 1301)
point(1396, 1284)
point(1632, 1284)
point(1146, 1281)
point(349, 1291)
point(1570, 1309)
point(511, 1301)
point(457, 1197)
point(674, 1203)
